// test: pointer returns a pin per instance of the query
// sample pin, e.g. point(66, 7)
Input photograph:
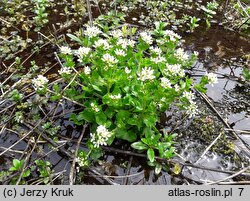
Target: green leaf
point(148, 133)
point(158, 168)
point(139, 146)
point(26, 173)
point(101, 118)
point(12, 168)
point(246, 73)
point(74, 38)
point(56, 88)
point(46, 180)
point(96, 153)
point(149, 120)
point(122, 117)
point(55, 97)
point(73, 117)
point(151, 155)
point(109, 112)
point(200, 88)
point(125, 135)
point(97, 88)
point(16, 163)
point(87, 115)
point(146, 141)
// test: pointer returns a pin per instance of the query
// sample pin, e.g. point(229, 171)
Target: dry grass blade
point(125, 181)
point(240, 131)
point(209, 147)
point(72, 170)
point(230, 177)
point(89, 12)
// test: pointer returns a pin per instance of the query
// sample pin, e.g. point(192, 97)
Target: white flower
point(165, 83)
point(92, 31)
point(127, 70)
point(158, 59)
point(94, 107)
point(196, 53)
point(116, 33)
point(123, 42)
point(172, 35)
point(83, 51)
point(181, 54)
point(146, 74)
point(175, 69)
point(156, 50)
point(102, 43)
point(81, 161)
point(192, 109)
point(87, 70)
point(131, 43)
point(65, 70)
point(115, 97)
point(40, 82)
point(188, 95)
point(124, 8)
point(212, 78)
point(120, 52)
point(176, 87)
point(147, 38)
point(100, 137)
point(109, 59)
point(65, 50)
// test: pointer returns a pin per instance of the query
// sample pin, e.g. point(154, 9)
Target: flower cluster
point(156, 50)
point(120, 52)
point(109, 59)
point(146, 37)
point(40, 82)
point(116, 33)
point(212, 78)
point(165, 83)
point(65, 70)
point(83, 51)
point(146, 74)
point(102, 43)
point(95, 107)
point(101, 136)
point(92, 31)
point(124, 43)
point(181, 54)
point(158, 59)
point(81, 161)
point(126, 81)
point(115, 97)
point(175, 69)
point(172, 35)
point(188, 95)
point(127, 70)
point(87, 70)
point(192, 109)
point(65, 50)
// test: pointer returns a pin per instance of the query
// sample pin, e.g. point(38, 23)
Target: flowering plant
point(125, 81)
